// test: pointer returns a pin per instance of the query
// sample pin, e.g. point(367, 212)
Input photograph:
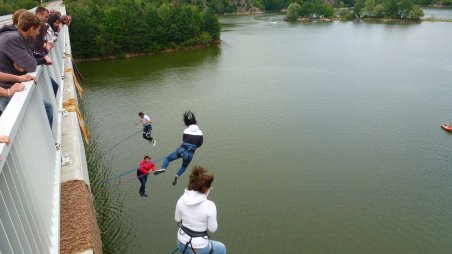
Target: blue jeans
point(48, 106)
point(218, 248)
point(143, 179)
point(49, 112)
point(55, 86)
point(4, 102)
point(184, 152)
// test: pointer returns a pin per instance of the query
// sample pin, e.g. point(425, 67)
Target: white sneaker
point(154, 142)
point(159, 171)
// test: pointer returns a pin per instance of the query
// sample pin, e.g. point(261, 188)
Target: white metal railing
point(31, 164)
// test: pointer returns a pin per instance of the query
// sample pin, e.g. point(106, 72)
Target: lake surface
point(323, 138)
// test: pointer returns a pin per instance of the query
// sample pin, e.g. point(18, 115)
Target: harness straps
point(189, 147)
point(192, 234)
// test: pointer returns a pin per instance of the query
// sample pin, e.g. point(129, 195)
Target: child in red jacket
point(142, 173)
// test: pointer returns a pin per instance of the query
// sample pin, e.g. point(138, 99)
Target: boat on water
point(447, 127)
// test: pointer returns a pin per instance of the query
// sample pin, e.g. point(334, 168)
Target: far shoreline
point(130, 55)
point(372, 20)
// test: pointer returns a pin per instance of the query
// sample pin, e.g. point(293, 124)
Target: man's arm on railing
point(16, 78)
point(9, 92)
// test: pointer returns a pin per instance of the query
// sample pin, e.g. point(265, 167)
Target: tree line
point(376, 9)
point(118, 27)
point(310, 6)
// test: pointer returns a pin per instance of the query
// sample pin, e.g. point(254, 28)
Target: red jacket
point(145, 166)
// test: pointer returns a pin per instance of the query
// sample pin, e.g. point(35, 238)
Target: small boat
point(447, 127)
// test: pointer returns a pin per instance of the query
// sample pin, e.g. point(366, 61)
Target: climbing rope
point(115, 177)
point(126, 173)
point(114, 146)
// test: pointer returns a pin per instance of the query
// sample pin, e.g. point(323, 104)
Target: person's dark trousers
point(143, 179)
point(55, 86)
point(49, 111)
point(147, 132)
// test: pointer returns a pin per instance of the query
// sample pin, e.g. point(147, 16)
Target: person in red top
point(142, 173)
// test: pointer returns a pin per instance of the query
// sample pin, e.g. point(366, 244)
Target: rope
point(111, 148)
point(174, 251)
point(114, 177)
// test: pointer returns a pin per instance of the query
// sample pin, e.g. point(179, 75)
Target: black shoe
point(175, 180)
point(144, 195)
point(141, 193)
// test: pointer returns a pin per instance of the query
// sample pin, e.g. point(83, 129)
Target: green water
point(323, 138)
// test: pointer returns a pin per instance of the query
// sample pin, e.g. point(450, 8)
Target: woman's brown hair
point(200, 179)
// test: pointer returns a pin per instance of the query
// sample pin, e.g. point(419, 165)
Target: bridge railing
point(31, 163)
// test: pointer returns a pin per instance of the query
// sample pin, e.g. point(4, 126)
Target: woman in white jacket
point(196, 215)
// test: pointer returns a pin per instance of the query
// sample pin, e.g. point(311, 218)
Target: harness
point(186, 151)
point(192, 234)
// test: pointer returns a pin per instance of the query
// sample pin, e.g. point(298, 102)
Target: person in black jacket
point(191, 140)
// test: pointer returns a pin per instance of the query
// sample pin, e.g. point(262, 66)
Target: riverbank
point(373, 20)
point(129, 55)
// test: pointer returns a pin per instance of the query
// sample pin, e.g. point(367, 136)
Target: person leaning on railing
point(16, 87)
point(14, 52)
point(39, 44)
point(53, 28)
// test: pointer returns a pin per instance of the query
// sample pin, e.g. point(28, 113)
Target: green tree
point(306, 10)
point(391, 9)
point(357, 9)
point(293, 11)
point(84, 31)
point(211, 25)
point(259, 4)
point(416, 13)
point(275, 4)
point(369, 8)
point(217, 6)
point(345, 14)
point(404, 8)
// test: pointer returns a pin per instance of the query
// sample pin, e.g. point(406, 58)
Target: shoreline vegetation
point(372, 20)
point(131, 54)
point(386, 11)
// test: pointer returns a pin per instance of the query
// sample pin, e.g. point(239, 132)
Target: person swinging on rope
point(147, 127)
point(142, 173)
point(191, 140)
